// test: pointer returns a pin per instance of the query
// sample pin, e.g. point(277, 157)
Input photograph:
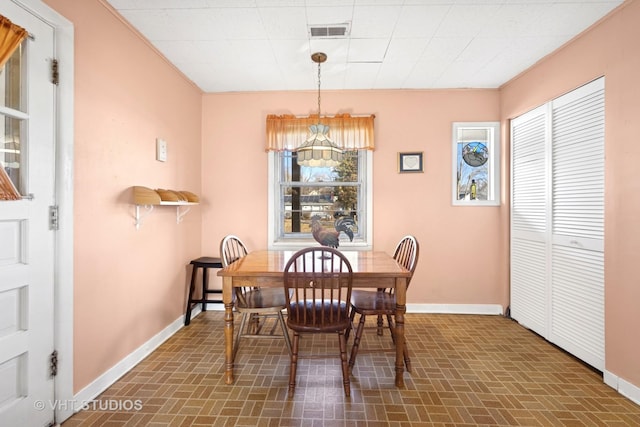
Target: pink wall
point(129, 284)
point(234, 182)
point(611, 49)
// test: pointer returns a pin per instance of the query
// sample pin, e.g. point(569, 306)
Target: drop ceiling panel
point(255, 45)
point(284, 23)
point(466, 20)
point(420, 21)
point(444, 50)
point(367, 50)
point(362, 75)
point(374, 21)
point(388, 70)
point(405, 50)
point(329, 15)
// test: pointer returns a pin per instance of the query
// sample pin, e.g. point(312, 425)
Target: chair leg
point(285, 331)
point(205, 286)
point(254, 324)
point(187, 315)
point(351, 317)
point(239, 334)
point(392, 327)
point(345, 368)
point(294, 364)
point(380, 325)
point(356, 342)
point(405, 353)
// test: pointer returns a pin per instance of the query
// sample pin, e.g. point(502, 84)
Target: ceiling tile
point(374, 21)
point(254, 45)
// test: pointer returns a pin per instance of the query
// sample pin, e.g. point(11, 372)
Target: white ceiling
point(264, 45)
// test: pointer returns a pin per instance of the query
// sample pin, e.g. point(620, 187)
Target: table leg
point(227, 298)
point(401, 308)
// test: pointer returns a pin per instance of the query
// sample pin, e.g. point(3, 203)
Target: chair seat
point(373, 302)
point(265, 299)
point(306, 317)
point(207, 262)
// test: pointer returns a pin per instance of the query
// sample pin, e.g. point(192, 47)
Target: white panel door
point(27, 244)
point(577, 285)
point(529, 228)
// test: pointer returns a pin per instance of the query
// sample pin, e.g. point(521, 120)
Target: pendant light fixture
point(318, 150)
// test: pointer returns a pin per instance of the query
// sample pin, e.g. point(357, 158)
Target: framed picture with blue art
point(475, 155)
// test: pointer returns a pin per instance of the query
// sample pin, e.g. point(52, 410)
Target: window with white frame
point(299, 193)
point(475, 168)
point(333, 196)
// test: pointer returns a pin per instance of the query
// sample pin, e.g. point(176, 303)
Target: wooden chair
point(317, 284)
point(383, 302)
point(255, 304)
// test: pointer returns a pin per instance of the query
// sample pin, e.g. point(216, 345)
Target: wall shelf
point(145, 199)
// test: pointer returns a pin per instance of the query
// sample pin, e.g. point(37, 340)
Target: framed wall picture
point(476, 171)
point(410, 162)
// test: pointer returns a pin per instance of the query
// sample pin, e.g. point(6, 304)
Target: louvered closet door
point(529, 214)
point(557, 221)
point(577, 252)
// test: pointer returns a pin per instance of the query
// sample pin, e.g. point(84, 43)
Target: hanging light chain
point(319, 58)
point(319, 112)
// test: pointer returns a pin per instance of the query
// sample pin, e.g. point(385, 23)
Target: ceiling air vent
point(328, 31)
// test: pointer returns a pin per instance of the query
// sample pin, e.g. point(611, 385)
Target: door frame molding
point(64, 256)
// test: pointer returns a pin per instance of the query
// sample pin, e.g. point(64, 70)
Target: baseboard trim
point(625, 388)
point(215, 306)
point(491, 309)
point(106, 380)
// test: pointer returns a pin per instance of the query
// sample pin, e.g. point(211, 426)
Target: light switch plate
point(161, 150)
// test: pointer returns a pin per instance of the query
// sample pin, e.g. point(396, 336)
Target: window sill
point(294, 245)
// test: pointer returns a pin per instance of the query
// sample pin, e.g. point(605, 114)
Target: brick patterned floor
point(466, 371)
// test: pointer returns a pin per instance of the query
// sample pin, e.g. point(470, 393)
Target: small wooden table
point(371, 269)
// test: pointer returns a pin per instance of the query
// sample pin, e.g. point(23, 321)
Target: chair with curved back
point(255, 304)
point(383, 302)
point(317, 283)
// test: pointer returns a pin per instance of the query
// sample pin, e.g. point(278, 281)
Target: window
point(297, 193)
point(475, 180)
point(13, 118)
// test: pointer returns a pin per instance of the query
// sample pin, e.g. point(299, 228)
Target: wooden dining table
point(265, 268)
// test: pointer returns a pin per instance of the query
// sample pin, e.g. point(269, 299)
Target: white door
point(27, 151)
point(577, 241)
point(529, 228)
point(557, 221)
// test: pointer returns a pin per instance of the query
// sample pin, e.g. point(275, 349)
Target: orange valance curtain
point(349, 132)
point(11, 36)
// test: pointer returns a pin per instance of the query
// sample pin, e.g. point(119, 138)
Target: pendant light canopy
point(318, 150)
